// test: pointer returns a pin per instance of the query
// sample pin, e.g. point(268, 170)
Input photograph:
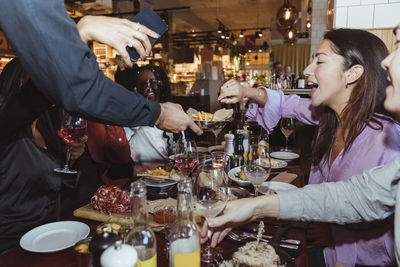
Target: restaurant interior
point(207, 44)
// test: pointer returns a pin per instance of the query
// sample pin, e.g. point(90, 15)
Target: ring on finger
point(130, 44)
point(137, 26)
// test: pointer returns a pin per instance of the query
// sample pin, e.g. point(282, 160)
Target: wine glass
point(287, 128)
point(186, 157)
point(72, 130)
point(210, 194)
point(258, 168)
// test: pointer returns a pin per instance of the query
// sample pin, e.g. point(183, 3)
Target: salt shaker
point(229, 149)
point(119, 255)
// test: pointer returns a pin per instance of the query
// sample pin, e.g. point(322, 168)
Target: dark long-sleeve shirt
point(64, 69)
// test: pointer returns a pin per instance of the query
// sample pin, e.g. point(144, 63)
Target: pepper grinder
point(229, 149)
point(101, 242)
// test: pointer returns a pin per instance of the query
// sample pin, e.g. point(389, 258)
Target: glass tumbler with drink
point(186, 157)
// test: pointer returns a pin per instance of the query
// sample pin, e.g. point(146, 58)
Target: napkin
point(222, 114)
point(285, 177)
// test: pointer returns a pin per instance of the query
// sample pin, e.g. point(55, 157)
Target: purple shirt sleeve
point(279, 105)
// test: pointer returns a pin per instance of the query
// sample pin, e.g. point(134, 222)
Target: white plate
point(53, 237)
point(275, 186)
point(232, 176)
point(276, 163)
point(286, 155)
point(151, 183)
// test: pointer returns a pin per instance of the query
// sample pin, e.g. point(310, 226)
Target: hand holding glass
point(210, 192)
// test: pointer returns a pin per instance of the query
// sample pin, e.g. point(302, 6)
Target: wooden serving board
point(88, 212)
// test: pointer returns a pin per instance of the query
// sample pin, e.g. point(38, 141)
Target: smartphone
point(151, 20)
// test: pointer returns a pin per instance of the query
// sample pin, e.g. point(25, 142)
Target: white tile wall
point(347, 2)
point(360, 17)
point(341, 17)
point(372, 2)
point(387, 16)
point(365, 14)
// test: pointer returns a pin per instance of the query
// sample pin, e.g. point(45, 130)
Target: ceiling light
point(241, 34)
point(260, 50)
point(308, 25)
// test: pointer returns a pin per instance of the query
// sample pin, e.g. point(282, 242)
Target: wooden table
point(69, 258)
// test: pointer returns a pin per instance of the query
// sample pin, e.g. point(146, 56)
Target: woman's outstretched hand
point(231, 92)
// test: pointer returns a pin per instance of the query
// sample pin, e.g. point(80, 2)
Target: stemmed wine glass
point(186, 157)
point(72, 130)
point(210, 194)
point(287, 128)
point(258, 168)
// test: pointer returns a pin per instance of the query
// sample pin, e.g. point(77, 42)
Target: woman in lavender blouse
point(354, 131)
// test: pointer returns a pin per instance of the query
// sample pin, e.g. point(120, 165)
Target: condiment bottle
point(229, 150)
point(119, 255)
point(185, 235)
point(141, 236)
point(101, 242)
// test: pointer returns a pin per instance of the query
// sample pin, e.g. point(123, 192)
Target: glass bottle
point(185, 235)
point(141, 236)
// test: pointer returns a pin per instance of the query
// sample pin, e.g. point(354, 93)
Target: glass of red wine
point(186, 157)
point(72, 130)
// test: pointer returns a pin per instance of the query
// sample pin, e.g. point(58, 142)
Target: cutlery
point(239, 237)
point(269, 237)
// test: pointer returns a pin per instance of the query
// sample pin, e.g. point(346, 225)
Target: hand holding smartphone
point(151, 20)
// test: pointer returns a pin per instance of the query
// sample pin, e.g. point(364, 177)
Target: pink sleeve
point(279, 105)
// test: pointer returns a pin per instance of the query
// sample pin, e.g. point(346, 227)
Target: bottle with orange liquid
point(141, 236)
point(185, 235)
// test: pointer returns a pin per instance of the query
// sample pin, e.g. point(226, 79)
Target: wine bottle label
point(152, 262)
point(187, 259)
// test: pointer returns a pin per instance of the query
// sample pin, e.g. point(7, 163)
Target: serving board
point(88, 212)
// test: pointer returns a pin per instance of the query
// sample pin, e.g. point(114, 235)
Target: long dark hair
point(12, 79)
point(365, 105)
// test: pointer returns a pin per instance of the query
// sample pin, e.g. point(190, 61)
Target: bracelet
point(259, 93)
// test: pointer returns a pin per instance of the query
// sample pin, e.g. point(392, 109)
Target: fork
point(240, 237)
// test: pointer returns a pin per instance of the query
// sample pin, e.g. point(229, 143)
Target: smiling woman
point(347, 105)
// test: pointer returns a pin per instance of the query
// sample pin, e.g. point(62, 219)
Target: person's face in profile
point(392, 64)
point(148, 86)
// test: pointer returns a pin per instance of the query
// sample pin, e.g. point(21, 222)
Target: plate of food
point(255, 254)
point(275, 163)
point(238, 175)
point(159, 176)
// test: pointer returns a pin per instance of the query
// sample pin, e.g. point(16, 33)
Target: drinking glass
point(287, 128)
point(186, 157)
point(72, 130)
point(258, 168)
point(210, 194)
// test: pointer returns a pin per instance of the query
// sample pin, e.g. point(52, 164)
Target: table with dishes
point(53, 244)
